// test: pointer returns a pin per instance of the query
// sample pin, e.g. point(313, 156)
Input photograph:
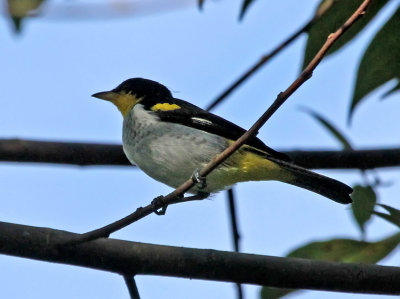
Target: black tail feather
point(317, 183)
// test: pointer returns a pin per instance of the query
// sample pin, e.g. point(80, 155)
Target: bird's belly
point(170, 153)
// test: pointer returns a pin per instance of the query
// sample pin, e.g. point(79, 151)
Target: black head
point(132, 91)
point(143, 88)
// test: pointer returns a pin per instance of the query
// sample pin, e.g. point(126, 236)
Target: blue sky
point(52, 68)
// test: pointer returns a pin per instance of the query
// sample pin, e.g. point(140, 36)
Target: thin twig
point(92, 154)
point(267, 57)
point(125, 257)
point(103, 232)
point(163, 202)
point(229, 192)
point(239, 291)
point(235, 232)
point(261, 62)
point(234, 224)
point(132, 287)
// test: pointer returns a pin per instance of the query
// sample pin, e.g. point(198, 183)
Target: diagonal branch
point(141, 212)
point(260, 63)
point(90, 154)
point(132, 258)
point(267, 57)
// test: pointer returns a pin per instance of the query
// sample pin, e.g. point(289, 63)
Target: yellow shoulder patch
point(165, 107)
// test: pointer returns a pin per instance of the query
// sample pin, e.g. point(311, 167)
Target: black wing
point(195, 117)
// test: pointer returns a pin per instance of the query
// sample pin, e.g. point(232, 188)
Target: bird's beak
point(106, 95)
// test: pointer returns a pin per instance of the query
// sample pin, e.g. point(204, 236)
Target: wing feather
point(195, 117)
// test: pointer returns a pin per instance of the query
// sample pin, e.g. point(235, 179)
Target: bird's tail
point(315, 182)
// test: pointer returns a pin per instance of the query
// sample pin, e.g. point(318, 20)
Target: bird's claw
point(158, 202)
point(199, 180)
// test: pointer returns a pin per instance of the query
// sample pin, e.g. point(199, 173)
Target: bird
point(171, 139)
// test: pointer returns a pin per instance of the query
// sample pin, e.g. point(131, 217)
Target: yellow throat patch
point(125, 102)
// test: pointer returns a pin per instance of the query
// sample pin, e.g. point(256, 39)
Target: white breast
point(168, 152)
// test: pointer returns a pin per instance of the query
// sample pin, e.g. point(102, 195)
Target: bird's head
point(132, 91)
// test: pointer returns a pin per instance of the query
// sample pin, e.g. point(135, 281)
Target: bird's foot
point(200, 181)
point(159, 207)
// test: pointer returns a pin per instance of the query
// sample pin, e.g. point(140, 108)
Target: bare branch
point(131, 258)
point(90, 154)
point(235, 232)
point(357, 159)
point(132, 287)
point(157, 206)
point(267, 57)
point(234, 222)
point(253, 69)
point(76, 153)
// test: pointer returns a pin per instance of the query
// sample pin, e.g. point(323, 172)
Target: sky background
point(49, 72)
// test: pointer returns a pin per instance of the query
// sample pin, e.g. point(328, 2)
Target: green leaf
point(19, 9)
point(364, 201)
point(335, 132)
point(339, 250)
point(333, 18)
point(200, 3)
point(392, 90)
point(380, 63)
point(17, 22)
point(245, 6)
point(392, 217)
point(347, 250)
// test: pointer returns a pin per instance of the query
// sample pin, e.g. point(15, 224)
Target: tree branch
point(91, 154)
point(131, 258)
point(75, 153)
point(235, 231)
point(157, 206)
point(261, 62)
point(357, 159)
point(267, 57)
point(132, 287)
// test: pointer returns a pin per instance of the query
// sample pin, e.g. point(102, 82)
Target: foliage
point(364, 201)
point(374, 72)
point(245, 6)
point(393, 216)
point(347, 250)
point(19, 9)
point(339, 250)
point(334, 17)
point(331, 128)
